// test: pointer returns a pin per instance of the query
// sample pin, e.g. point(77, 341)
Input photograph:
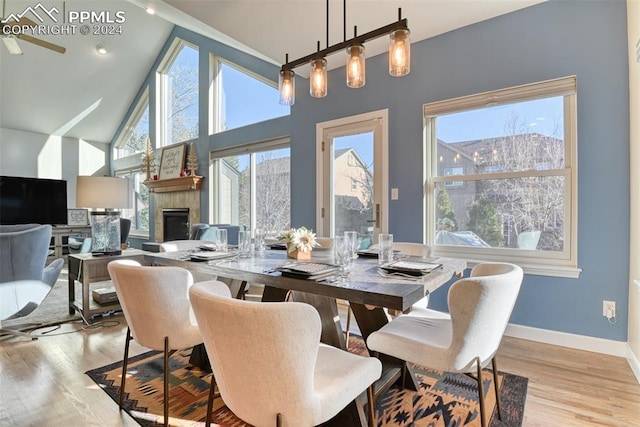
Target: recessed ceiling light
point(102, 50)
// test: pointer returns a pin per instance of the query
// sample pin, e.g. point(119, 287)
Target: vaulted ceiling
point(84, 95)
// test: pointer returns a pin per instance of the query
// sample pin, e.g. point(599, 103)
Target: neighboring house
point(352, 177)
point(514, 152)
point(352, 185)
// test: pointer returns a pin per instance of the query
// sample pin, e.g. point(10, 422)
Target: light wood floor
point(42, 382)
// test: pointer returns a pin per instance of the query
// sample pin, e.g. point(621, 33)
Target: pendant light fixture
point(287, 85)
point(399, 53)
point(355, 66)
point(399, 59)
point(318, 77)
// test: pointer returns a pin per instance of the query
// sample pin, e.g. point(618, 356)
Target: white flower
point(299, 238)
point(304, 239)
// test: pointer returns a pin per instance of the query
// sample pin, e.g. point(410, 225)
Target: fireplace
point(175, 223)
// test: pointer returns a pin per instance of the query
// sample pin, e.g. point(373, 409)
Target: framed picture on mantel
point(172, 161)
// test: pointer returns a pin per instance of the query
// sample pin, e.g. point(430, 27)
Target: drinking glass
point(342, 254)
point(244, 243)
point(353, 242)
point(221, 240)
point(385, 248)
point(258, 236)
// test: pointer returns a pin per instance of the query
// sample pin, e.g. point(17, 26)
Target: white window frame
point(214, 170)
point(136, 232)
point(131, 124)
point(161, 85)
point(547, 263)
point(215, 89)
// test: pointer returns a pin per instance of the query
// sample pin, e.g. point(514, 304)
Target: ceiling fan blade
point(12, 46)
point(42, 43)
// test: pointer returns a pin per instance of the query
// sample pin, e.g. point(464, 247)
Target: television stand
point(59, 232)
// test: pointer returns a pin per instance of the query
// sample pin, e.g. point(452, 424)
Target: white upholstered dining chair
point(155, 302)
point(269, 364)
point(465, 341)
point(406, 248)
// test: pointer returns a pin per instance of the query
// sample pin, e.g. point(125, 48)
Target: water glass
point(385, 248)
point(258, 239)
point(342, 253)
point(221, 240)
point(244, 243)
point(353, 242)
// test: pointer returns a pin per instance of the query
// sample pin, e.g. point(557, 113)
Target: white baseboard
point(634, 362)
point(563, 339)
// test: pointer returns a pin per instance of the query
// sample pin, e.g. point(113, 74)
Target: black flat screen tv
point(33, 200)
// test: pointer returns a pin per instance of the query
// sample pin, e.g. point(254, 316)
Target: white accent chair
point(464, 341)
point(405, 248)
point(269, 364)
point(155, 302)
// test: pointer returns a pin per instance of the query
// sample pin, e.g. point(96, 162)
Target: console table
point(59, 232)
point(88, 269)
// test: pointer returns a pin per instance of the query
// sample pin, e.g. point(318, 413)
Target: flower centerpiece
point(299, 241)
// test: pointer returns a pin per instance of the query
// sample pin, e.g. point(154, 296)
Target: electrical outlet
point(609, 309)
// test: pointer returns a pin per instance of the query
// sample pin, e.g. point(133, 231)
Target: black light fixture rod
point(344, 20)
point(327, 45)
point(371, 35)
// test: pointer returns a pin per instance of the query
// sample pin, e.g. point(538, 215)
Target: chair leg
point(125, 361)
point(346, 334)
point(279, 420)
point(480, 392)
point(212, 396)
point(166, 381)
point(494, 365)
point(372, 409)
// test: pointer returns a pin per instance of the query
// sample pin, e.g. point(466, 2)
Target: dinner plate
point(308, 270)
point(411, 267)
point(208, 255)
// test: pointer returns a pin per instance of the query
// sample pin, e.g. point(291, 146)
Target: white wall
point(37, 155)
point(633, 27)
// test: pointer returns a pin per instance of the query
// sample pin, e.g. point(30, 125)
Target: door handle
point(377, 220)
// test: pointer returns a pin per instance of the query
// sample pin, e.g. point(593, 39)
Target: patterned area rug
point(444, 400)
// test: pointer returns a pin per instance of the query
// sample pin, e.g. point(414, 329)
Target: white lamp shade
point(102, 192)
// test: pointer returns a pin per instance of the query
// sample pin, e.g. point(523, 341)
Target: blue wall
point(546, 41)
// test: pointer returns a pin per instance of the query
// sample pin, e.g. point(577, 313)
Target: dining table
point(368, 289)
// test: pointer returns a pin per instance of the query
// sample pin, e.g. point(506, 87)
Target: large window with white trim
point(139, 203)
point(240, 97)
point(134, 134)
point(501, 170)
point(251, 186)
point(178, 94)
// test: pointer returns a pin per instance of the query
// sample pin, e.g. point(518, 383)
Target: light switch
point(394, 194)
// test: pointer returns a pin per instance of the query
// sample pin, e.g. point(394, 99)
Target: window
point(178, 94)
point(502, 176)
point(252, 186)
point(139, 212)
point(133, 136)
point(242, 97)
point(354, 184)
point(451, 171)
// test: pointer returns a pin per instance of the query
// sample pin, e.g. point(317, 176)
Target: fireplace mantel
point(183, 183)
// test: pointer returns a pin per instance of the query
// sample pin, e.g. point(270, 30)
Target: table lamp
point(108, 193)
